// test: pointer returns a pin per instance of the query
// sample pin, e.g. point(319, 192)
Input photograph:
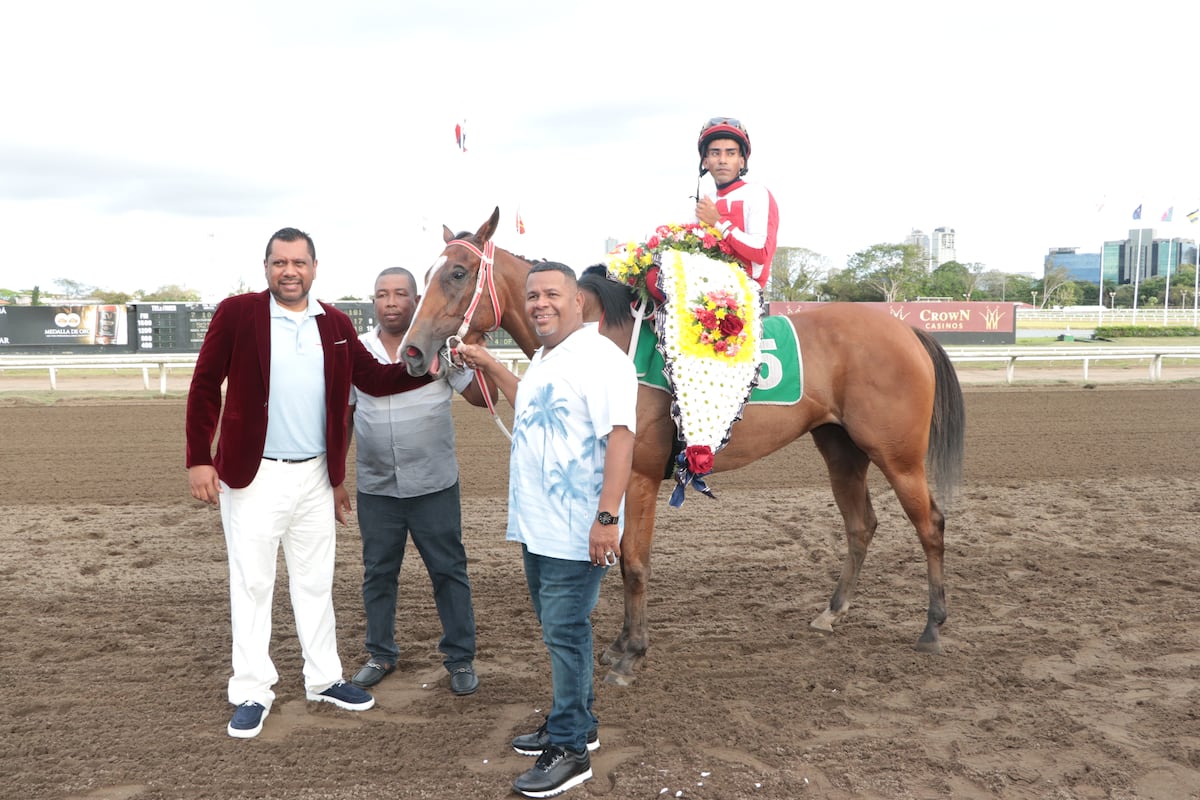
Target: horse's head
point(456, 289)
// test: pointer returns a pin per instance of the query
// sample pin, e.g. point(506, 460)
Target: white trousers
point(292, 505)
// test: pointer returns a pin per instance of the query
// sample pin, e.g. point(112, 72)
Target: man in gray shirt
point(407, 478)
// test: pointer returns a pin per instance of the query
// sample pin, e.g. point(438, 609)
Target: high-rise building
point(941, 247)
point(1146, 256)
point(1084, 267)
point(917, 237)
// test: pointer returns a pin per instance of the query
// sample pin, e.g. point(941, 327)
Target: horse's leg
point(912, 490)
point(848, 476)
point(629, 648)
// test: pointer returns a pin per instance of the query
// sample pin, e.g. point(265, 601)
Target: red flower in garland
point(700, 459)
point(707, 318)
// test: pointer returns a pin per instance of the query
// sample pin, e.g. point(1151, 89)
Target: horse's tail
point(948, 425)
point(614, 298)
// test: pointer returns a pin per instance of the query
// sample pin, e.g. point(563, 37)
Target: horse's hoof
point(610, 656)
point(933, 647)
point(823, 623)
point(614, 678)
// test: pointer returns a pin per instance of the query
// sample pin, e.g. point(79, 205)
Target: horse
point(875, 391)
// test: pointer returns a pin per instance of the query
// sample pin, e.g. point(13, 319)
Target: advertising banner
point(957, 323)
point(63, 325)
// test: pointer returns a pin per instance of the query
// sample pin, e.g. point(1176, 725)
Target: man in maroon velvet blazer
point(287, 365)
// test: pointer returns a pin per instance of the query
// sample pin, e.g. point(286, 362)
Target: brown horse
point(876, 391)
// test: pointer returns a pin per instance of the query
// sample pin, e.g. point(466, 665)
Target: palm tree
point(547, 412)
point(570, 482)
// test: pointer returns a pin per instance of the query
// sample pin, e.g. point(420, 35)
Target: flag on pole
point(460, 136)
point(1194, 216)
point(1166, 217)
point(520, 222)
point(1137, 213)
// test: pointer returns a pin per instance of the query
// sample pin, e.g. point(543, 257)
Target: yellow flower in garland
point(630, 263)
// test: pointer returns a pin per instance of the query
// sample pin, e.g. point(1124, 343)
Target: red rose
point(699, 459)
point(652, 285)
point(653, 242)
point(706, 318)
point(731, 325)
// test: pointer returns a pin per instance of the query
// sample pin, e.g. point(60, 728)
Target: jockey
point(745, 213)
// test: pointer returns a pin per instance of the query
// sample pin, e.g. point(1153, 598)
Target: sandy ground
point(1072, 664)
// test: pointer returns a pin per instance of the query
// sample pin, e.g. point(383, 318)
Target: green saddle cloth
point(780, 377)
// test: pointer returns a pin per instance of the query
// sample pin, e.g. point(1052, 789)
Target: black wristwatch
point(605, 518)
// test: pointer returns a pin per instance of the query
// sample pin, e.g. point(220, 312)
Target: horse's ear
point(488, 229)
point(447, 234)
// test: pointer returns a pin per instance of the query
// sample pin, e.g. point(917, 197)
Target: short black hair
point(399, 271)
point(554, 266)
point(291, 235)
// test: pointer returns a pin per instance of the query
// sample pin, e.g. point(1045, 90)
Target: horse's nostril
point(412, 351)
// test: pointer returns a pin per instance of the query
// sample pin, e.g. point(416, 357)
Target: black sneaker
point(556, 771)
point(532, 744)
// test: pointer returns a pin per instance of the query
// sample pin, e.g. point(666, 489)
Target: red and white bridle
point(484, 277)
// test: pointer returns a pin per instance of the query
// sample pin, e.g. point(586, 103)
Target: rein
point(486, 276)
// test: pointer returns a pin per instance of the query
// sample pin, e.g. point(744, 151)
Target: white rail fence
point(160, 363)
point(514, 359)
point(1153, 356)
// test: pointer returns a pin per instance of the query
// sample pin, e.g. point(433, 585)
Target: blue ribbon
point(684, 476)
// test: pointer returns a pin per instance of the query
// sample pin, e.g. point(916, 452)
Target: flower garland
point(630, 263)
point(712, 348)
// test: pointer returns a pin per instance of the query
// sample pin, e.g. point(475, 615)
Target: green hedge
point(1139, 331)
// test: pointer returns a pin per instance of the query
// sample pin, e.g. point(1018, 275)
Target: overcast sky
point(154, 143)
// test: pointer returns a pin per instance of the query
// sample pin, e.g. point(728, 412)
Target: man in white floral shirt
point(575, 412)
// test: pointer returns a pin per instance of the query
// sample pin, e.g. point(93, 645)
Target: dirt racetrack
point(1072, 664)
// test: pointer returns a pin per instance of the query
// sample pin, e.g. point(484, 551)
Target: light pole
point(1112, 297)
point(1034, 293)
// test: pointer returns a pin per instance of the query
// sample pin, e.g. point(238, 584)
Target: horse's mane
point(471, 237)
point(614, 298)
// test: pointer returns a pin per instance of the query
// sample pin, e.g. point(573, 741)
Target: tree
point(71, 288)
point(887, 271)
point(1057, 284)
point(35, 297)
point(949, 280)
point(168, 293)
point(113, 298)
point(795, 272)
point(240, 288)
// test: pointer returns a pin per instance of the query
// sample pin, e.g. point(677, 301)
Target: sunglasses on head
point(723, 121)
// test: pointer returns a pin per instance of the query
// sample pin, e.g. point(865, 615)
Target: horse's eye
point(458, 274)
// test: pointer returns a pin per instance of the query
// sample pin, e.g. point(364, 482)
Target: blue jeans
point(564, 594)
point(435, 523)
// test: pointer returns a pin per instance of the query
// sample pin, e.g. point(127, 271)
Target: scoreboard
point(180, 327)
point(171, 327)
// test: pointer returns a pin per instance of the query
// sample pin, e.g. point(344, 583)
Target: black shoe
point(556, 771)
point(532, 744)
point(463, 680)
point(372, 673)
